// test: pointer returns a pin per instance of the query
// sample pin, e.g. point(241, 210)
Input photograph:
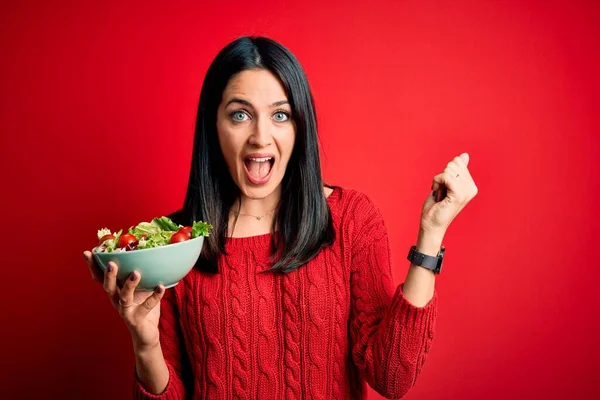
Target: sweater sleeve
point(390, 337)
point(172, 344)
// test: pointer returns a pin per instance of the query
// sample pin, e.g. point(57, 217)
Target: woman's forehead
point(258, 86)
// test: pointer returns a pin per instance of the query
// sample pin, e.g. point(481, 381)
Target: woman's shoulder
point(352, 204)
point(357, 219)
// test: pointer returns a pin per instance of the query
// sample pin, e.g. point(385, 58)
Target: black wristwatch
point(432, 263)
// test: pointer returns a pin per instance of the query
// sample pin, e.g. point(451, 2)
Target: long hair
point(303, 218)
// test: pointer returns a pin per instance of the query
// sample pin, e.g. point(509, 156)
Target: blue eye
point(281, 116)
point(239, 116)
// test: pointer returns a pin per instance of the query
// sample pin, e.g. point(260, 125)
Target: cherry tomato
point(179, 237)
point(127, 239)
point(187, 230)
point(106, 237)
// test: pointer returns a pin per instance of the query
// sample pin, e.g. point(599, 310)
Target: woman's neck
point(255, 216)
point(251, 217)
point(257, 207)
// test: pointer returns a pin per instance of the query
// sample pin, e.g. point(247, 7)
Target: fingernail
point(159, 289)
point(133, 276)
point(109, 267)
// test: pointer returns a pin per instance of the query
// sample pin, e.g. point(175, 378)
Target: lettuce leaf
point(201, 229)
point(112, 244)
point(144, 228)
point(165, 224)
point(161, 238)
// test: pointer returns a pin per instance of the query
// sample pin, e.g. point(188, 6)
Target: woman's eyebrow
point(248, 104)
point(238, 100)
point(279, 103)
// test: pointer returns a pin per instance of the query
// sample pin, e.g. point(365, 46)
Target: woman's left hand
point(451, 191)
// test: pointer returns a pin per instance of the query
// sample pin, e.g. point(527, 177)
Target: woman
point(292, 296)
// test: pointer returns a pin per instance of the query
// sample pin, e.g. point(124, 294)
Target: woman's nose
point(261, 134)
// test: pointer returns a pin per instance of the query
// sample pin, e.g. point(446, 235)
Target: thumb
point(465, 158)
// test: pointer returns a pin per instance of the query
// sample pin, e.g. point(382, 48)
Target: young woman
point(292, 296)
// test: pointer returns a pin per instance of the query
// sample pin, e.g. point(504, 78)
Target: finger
point(152, 301)
point(453, 170)
point(110, 280)
point(95, 271)
point(460, 164)
point(126, 298)
point(449, 178)
point(441, 183)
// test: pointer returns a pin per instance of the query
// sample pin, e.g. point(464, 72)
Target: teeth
point(260, 159)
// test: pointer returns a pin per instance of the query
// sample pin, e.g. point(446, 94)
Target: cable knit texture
point(320, 332)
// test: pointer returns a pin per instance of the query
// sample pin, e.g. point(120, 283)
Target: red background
point(97, 108)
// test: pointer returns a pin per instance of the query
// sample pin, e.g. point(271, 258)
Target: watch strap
point(424, 260)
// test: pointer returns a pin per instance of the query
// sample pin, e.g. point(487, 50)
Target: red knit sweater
point(318, 332)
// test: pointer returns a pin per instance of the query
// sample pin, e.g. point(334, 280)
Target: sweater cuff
point(396, 356)
point(431, 304)
point(173, 391)
point(419, 320)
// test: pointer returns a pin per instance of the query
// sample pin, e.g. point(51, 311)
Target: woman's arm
point(151, 369)
point(419, 284)
point(390, 335)
point(451, 191)
point(160, 372)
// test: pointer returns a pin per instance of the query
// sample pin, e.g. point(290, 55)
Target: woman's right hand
point(139, 310)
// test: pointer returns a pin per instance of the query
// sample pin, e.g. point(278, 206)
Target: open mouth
point(258, 168)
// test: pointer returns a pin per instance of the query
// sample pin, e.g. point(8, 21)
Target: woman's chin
point(256, 192)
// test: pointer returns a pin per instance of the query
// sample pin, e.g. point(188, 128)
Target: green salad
point(146, 235)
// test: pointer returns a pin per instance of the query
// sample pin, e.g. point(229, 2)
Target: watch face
point(441, 257)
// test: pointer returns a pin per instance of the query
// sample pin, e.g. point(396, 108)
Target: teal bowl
point(165, 265)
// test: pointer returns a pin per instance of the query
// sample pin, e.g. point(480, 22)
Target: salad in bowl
point(162, 251)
